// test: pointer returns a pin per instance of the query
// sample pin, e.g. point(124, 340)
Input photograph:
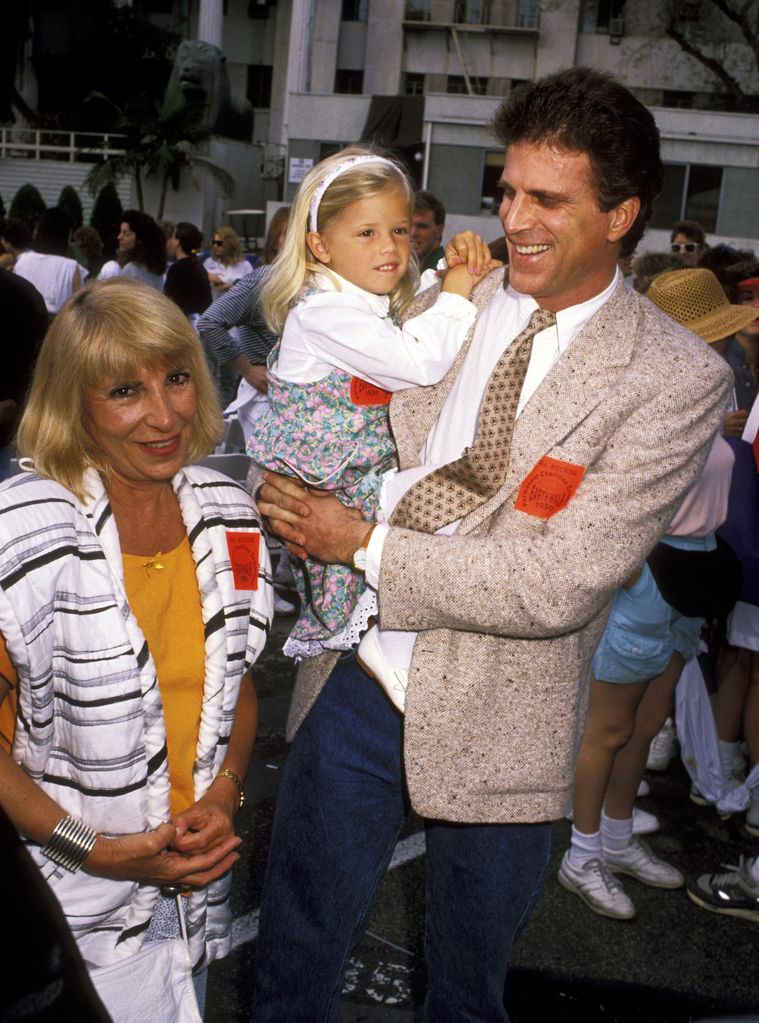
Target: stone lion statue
point(199, 78)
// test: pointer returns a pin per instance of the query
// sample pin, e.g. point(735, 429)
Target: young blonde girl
point(336, 293)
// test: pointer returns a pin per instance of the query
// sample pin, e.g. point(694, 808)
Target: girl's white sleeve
point(338, 330)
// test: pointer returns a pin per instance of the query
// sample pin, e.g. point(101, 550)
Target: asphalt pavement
point(674, 963)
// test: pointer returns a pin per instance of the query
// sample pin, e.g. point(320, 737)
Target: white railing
point(66, 146)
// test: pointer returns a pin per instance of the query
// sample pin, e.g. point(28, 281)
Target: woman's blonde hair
point(292, 266)
point(108, 331)
point(231, 248)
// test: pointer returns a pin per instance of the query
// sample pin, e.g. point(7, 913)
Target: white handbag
point(153, 984)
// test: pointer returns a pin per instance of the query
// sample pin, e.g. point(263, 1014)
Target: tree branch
point(740, 18)
point(732, 84)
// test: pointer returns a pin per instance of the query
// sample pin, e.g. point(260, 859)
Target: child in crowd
point(336, 293)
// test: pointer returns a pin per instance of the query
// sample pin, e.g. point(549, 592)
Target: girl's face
point(368, 242)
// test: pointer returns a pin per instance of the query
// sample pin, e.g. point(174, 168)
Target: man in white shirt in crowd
point(499, 569)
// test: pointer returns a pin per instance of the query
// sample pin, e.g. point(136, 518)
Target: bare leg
point(611, 718)
point(630, 761)
point(733, 671)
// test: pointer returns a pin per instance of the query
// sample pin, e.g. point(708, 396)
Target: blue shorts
point(642, 633)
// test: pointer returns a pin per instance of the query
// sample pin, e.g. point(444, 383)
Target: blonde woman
point(135, 599)
point(227, 262)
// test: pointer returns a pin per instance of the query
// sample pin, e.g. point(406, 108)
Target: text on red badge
point(244, 554)
point(364, 394)
point(548, 487)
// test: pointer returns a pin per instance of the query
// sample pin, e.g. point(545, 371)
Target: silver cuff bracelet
point(70, 843)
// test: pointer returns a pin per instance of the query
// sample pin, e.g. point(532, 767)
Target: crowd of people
point(516, 501)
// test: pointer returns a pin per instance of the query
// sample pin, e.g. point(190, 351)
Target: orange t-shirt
point(166, 604)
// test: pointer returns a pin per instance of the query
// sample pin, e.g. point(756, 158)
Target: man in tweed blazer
point(616, 416)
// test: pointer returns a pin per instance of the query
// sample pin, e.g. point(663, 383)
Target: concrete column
point(211, 22)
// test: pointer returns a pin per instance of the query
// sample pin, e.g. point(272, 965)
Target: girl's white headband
point(346, 165)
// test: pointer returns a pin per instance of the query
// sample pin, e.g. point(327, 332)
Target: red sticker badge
point(244, 552)
point(548, 487)
point(364, 394)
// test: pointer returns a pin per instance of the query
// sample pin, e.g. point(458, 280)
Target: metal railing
point(52, 144)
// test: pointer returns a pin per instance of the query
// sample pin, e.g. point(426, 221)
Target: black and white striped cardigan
point(90, 727)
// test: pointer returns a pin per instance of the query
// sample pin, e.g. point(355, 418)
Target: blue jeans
point(340, 808)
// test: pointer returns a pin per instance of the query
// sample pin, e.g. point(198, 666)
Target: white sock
point(615, 835)
point(727, 751)
point(584, 847)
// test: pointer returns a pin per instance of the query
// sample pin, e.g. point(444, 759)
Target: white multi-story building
point(429, 74)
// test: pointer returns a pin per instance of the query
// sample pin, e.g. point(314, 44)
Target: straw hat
point(695, 298)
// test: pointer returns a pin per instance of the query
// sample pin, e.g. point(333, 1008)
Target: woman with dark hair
point(186, 281)
point(47, 265)
point(141, 250)
point(15, 238)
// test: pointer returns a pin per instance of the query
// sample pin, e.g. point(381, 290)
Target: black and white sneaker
point(732, 893)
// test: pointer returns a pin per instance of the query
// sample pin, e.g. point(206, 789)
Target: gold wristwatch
point(359, 556)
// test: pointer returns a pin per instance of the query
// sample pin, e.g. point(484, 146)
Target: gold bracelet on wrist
point(227, 773)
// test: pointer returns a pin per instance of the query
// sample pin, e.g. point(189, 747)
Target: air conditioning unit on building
point(616, 29)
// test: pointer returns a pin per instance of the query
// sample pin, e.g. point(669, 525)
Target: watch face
point(359, 559)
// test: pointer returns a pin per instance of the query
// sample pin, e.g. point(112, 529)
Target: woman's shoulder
point(27, 490)
point(206, 478)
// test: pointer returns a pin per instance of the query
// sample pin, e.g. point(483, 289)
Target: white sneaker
point(644, 823)
point(662, 747)
point(597, 887)
point(640, 862)
point(371, 658)
point(282, 606)
point(644, 789)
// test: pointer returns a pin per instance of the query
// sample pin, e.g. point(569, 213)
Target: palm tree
point(159, 142)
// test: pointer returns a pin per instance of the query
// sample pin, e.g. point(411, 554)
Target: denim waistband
point(691, 543)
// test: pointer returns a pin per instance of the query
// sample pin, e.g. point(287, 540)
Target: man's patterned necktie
point(451, 491)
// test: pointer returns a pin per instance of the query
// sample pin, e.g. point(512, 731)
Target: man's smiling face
point(562, 247)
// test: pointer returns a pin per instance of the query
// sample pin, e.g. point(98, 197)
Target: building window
point(355, 10)
point(413, 84)
point(472, 12)
point(456, 84)
point(349, 81)
point(259, 85)
point(527, 14)
point(691, 192)
point(259, 9)
point(417, 10)
point(677, 98)
point(596, 14)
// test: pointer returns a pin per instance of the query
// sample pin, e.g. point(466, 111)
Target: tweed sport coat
point(510, 608)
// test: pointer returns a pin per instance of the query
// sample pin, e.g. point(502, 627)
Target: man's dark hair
point(586, 111)
point(691, 229)
point(427, 201)
point(17, 234)
point(53, 232)
point(189, 237)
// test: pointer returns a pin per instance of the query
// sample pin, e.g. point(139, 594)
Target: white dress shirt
point(505, 317)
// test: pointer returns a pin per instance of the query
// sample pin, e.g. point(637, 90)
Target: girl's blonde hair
point(292, 266)
point(231, 248)
point(109, 330)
